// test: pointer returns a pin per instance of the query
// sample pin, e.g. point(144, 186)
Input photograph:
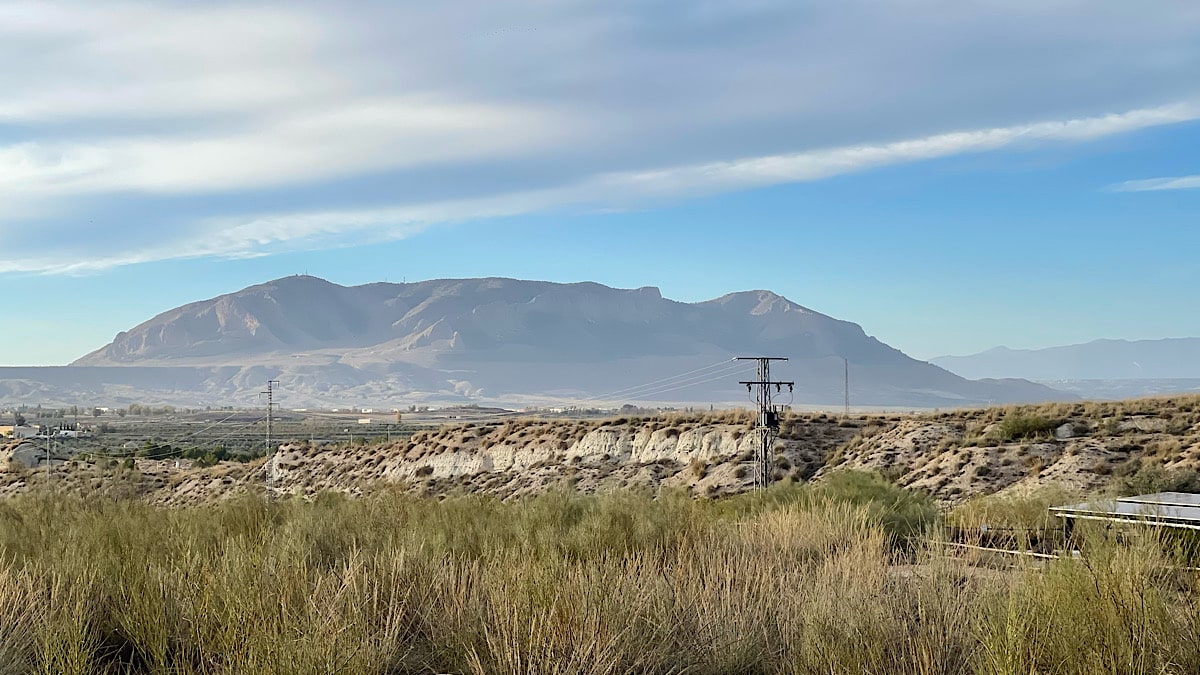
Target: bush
point(1015, 427)
point(902, 513)
point(1151, 479)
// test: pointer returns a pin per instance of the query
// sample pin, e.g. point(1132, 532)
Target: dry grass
point(800, 579)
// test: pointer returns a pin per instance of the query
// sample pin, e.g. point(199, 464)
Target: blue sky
point(951, 175)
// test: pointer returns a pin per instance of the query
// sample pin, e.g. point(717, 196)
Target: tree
point(19, 419)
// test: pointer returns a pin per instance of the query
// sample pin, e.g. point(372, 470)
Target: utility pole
point(270, 392)
point(767, 428)
point(846, 411)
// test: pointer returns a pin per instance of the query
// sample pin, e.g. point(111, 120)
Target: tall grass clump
point(817, 578)
point(1128, 602)
point(1017, 426)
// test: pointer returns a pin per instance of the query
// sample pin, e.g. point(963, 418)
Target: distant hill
point(479, 319)
point(1168, 359)
point(510, 340)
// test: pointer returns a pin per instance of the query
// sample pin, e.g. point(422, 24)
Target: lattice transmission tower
point(767, 428)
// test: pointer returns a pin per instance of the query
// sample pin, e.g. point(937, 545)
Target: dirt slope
point(1082, 447)
point(953, 456)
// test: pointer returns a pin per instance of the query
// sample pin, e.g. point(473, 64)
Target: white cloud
point(243, 237)
point(328, 142)
point(232, 238)
point(472, 109)
point(813, 165)
point(125, 60)
point(1154, 184)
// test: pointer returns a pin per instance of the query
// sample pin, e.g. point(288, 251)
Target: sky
point(952, 175)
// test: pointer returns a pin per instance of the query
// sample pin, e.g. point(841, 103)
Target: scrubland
point(622, 546)
point(832, 577)
point(953, 456)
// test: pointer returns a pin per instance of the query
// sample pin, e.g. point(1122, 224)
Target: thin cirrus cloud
point(332, 141)
point(1155, 184)
point(234, 130)
point(232, 237)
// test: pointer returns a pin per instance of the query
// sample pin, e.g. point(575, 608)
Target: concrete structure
point(32, 456)
point(25, 432)
point(1161, 509)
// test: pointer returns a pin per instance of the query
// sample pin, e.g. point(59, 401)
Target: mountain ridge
point(1102, 359)
point(498, 338)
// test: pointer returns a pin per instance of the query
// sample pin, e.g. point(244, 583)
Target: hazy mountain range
point(1099, 369)
point(493, 340)
point(1174, 358)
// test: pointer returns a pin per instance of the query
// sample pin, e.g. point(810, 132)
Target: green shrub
point(1016, 427)
point(1150, 479)
point(903, 514)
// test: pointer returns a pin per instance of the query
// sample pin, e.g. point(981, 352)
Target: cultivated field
point(229, 434)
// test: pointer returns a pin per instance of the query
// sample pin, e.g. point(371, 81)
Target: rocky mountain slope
point(511, 340)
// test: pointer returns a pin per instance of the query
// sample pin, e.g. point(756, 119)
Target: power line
point(683, 384)
point(626, 391)
point(691, 378)
point(720, 375)
point(170, 449)
point(214, 424)
point(184, 435)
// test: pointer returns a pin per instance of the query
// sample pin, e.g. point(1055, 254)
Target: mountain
point(1175, 358)
point(503, 340)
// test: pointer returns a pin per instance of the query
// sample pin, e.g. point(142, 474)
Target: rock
point(1148, 425)
point(1065, 432)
